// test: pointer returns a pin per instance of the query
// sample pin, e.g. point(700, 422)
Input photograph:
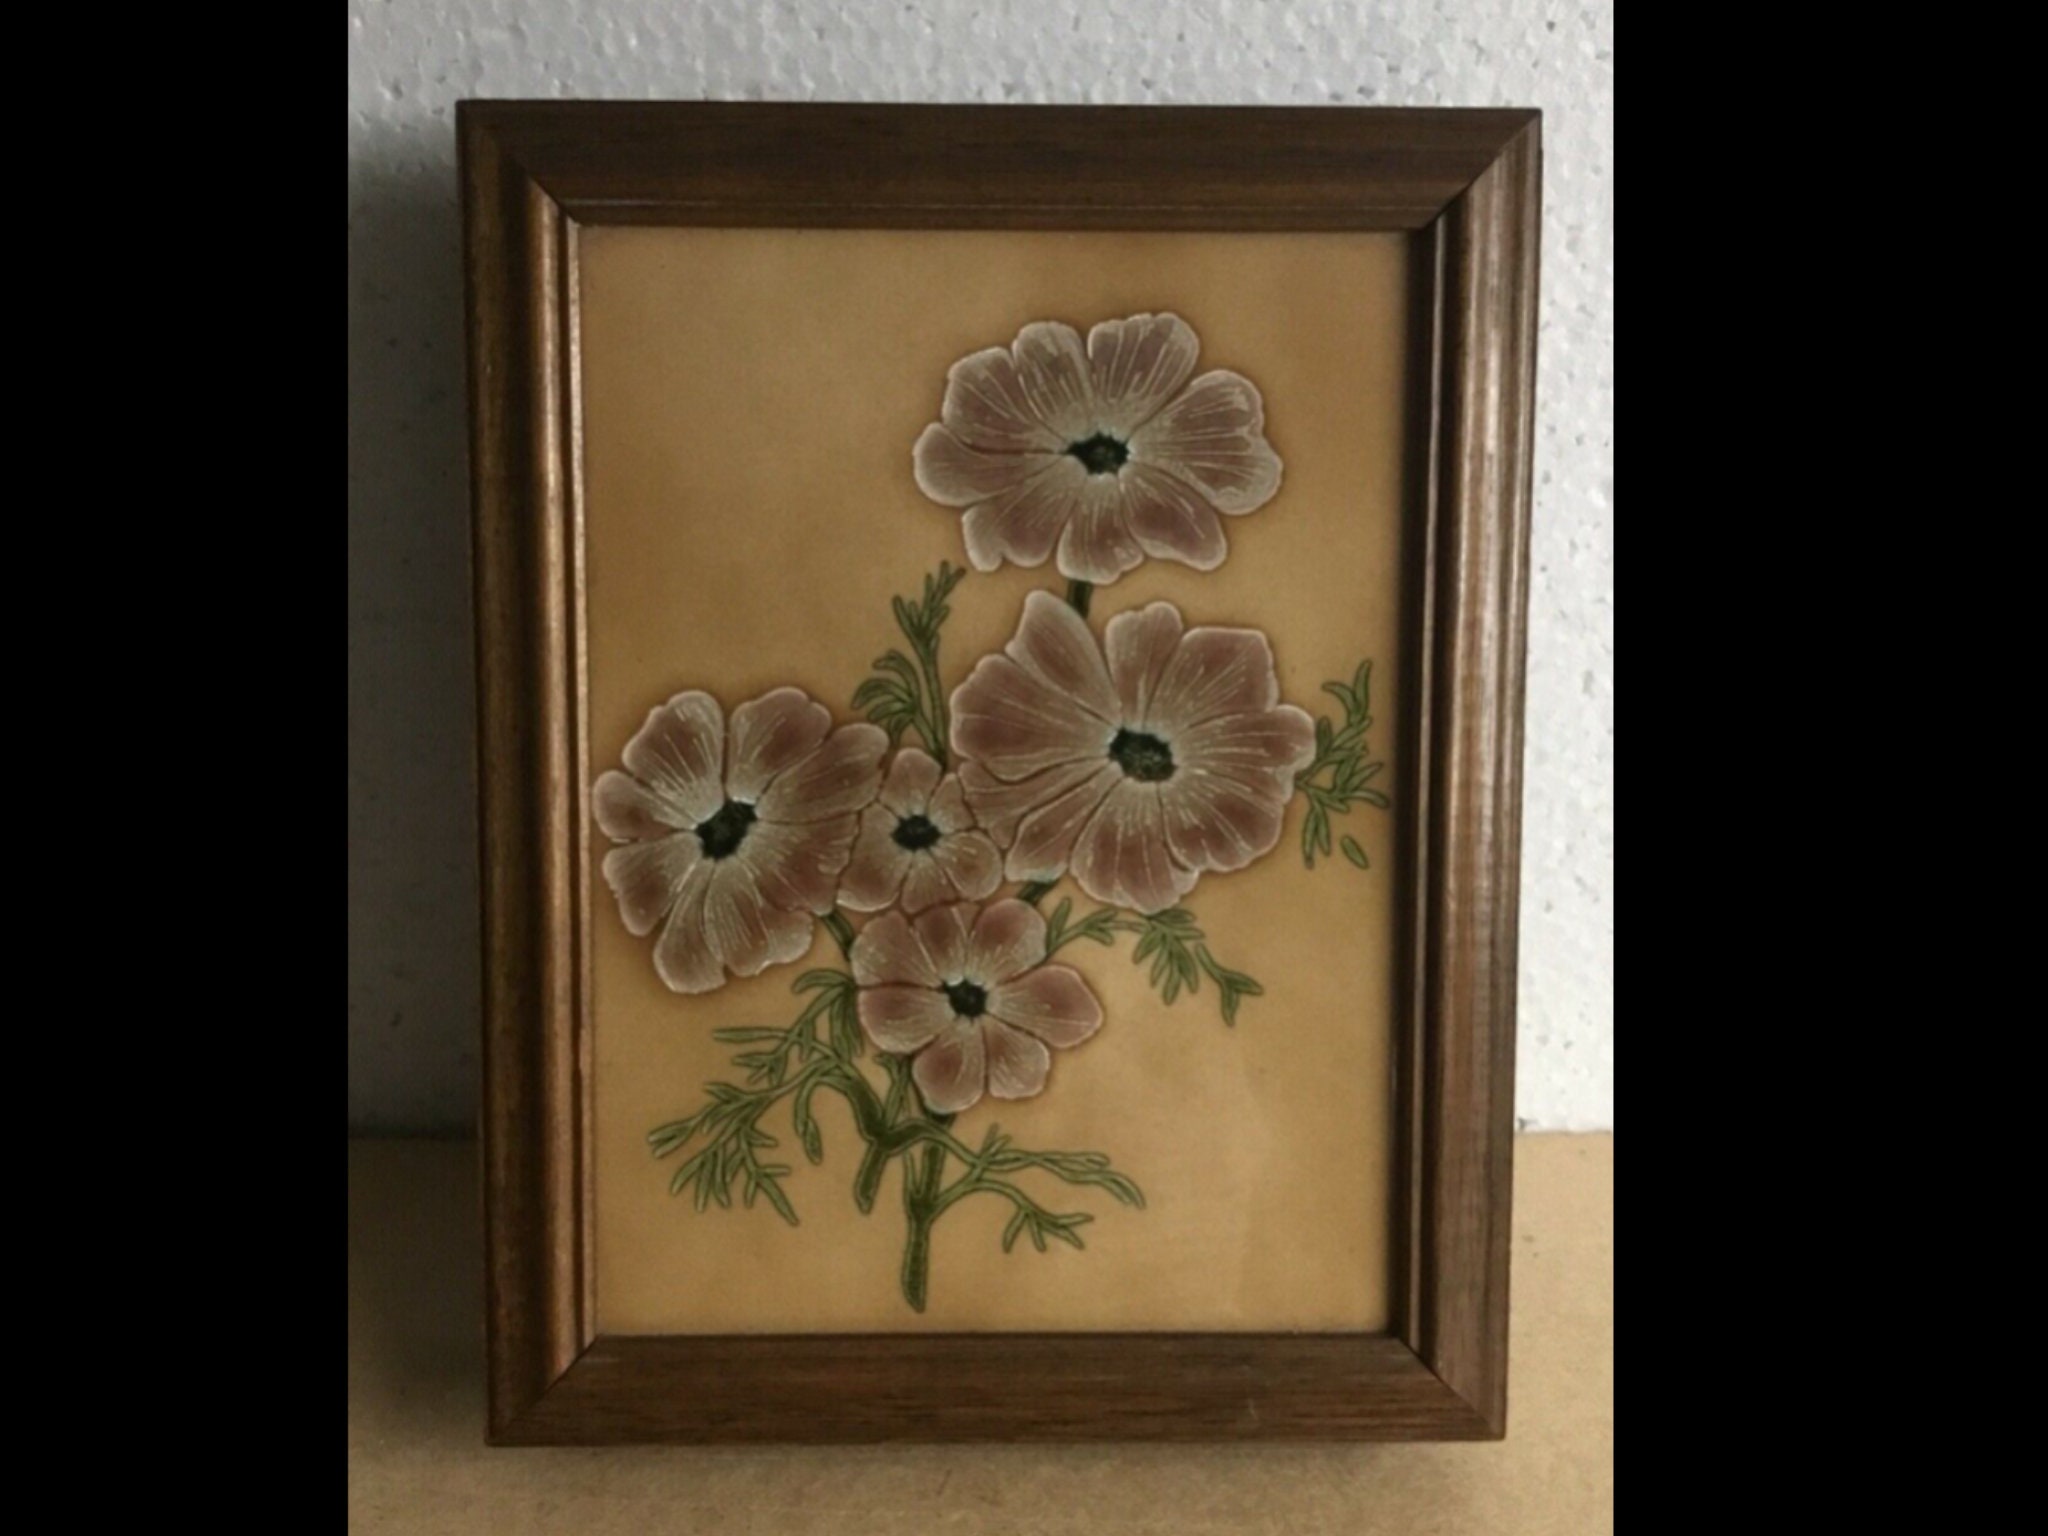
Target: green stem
point(840, 929)
point(1034, 892)
point(921, 1184)
point(917, 1261)
point(923, 1179)
point(933, 744)
point(867, 1181)
point(938, 732)
point(883, 1145)
point(982, 1184)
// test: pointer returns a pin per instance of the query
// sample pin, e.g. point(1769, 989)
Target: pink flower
point(1139, 763)
point(1107, 452)
point(734, 838)
point(966, 993)
point(918, 842)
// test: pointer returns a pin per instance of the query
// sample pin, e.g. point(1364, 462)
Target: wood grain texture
point(975, 167)
point(1043, 1387)
point(1476, 627)
point(1468, 184)
point(530, 775)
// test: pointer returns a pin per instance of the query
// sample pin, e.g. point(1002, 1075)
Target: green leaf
point(905, 691)
point(806, 1123)
point(1173, 941)
point(773, 1190)
point(1335, 780)
point(1067, 1231)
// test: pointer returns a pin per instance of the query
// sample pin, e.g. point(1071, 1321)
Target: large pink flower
point(918, 843)
point(1137, 763)
point(967, 993)
point(734, 838)
point(1106, 452)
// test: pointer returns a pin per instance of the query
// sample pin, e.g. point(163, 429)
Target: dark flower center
point(915, 832)
point(724, 832)
point(1145, 758)
point(969, 999)
point(1100, 454)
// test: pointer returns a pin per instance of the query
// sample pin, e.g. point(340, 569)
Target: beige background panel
point(750, 401)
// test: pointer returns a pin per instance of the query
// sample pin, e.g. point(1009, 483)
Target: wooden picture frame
point(1464, 186)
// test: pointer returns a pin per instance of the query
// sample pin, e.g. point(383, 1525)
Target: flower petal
point(770, 735)
point(999, 807)
point(1045, 838)
point(944, 932)
point(1121, 855)
point(956, 475)
point(951, 1070)
point(1017, 1064)
point(1052, 1002)
point(1023, 525)
point(1054, 645)
point(1281, 740)
point(947, 808)
point(630, 812)
point(887, 951)
point(874, 873)
point(1008, 939)
point(907, 791)
point(970, 862)
point(1052, 370)
point(1140, 644)
point(798, 863)
point(678, 752)
point(746, 933)
point(1222, 821)
point(903, 1019)
point(986, 407)
point(1098, 545)
point(925, 884)
point(1215, 672)
point(647, 877)
point(1135, 366)
point(1014, 725)
point(1214, 438)
point(683, 958)
point(841, 777)
point(1170, 519)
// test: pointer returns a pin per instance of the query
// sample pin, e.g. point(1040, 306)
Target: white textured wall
point(412, 989)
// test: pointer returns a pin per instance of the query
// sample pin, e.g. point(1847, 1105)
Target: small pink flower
point(966, 993)
point(918, 843)
point(1138, 762)
point(1106, 452)
point(734, 838)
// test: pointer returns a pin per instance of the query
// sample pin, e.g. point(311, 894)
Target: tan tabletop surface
point(417, 1461)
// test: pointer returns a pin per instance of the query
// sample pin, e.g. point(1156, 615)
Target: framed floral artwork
point(1000, 649)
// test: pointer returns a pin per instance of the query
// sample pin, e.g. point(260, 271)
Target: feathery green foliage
point(904, 692)
point(1340, 777)
point(1177, 948)
point(822, 1051)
